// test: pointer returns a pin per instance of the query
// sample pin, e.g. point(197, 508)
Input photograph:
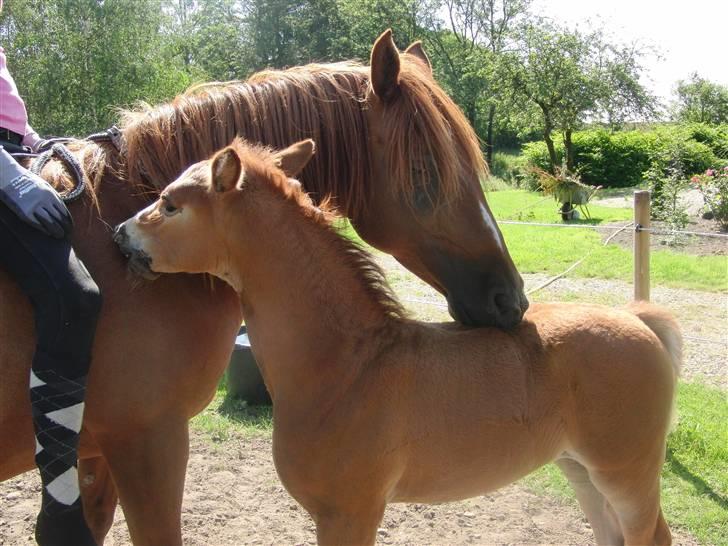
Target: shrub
point(621, 159)
point(714, 187)
point(509, 167)
point(667, 177)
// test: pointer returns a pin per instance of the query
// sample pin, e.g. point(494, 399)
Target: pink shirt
point(13, 115)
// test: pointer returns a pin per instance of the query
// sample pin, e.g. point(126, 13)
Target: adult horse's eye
point(427, 185)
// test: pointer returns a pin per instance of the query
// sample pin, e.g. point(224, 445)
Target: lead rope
point(62, 152)
point(112, 134)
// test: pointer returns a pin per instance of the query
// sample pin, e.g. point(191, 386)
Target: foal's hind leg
point(99, 496)
point(598, 511)
point(634, 493)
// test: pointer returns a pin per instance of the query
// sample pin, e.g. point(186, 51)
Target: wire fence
point(653, 231)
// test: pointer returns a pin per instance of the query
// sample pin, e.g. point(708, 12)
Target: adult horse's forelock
point(427, 127)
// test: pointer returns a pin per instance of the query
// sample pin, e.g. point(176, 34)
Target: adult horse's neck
point(276, 108)
point(309, 297)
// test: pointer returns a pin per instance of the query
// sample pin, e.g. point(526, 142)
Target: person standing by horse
point(35, 249)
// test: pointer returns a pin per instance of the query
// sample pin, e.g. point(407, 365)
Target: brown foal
point(371, 407)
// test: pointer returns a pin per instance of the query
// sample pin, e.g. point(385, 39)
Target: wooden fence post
point(641, 246)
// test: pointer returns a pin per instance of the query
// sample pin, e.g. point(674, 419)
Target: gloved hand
point(32, 199)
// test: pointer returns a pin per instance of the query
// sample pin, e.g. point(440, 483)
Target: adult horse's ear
point(416, 50)
point(384, 67)
point(293, 159)
point(227, 169)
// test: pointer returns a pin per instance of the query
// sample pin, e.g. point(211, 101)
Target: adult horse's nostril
point(508, 310)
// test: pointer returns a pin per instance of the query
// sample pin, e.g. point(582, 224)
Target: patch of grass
point(552, 250)
point(535, 207)
point(495, 183)
point(695, 475)
point(226, 417)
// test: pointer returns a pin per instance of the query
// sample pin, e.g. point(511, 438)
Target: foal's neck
point(307, 301)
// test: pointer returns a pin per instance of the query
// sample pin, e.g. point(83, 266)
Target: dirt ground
point(233, 497)
point(687, 244)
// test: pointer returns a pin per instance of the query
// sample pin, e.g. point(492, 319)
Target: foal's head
point(188, 229)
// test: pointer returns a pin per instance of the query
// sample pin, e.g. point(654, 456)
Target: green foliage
point(667, 178)
point(74, 62)
point(621, 159)
point(509, 167)
point(573, 76)
point(714, 187)
point(702, 101)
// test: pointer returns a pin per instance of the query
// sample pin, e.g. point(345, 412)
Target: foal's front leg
point(355, 528)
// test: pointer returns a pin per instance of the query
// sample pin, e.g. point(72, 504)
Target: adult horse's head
point(431, 214)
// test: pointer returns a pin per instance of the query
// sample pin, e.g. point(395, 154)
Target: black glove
point(32, 199)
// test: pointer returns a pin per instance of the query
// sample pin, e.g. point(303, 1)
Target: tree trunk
point(472, 114)
point(548, 127)
point(569, 150)
point(489, 136)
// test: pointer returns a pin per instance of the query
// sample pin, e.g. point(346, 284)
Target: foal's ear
point(385, 67)
point(293, 159)
point(226, 169)
point(416, 50)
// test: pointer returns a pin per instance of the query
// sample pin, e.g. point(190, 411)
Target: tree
point(574, 77)
point(76, 61)
point(471, 45)
point(207, 36)
point(700, 100)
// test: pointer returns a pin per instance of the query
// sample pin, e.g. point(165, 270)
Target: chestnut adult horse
point(370, 407)
point(396, 156)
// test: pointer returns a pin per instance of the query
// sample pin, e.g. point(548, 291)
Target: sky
point(689, 35)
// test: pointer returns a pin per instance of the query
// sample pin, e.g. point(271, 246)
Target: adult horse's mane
point(324, 102)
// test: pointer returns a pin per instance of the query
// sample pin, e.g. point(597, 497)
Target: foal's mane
point(259, 160)
point(324, 102)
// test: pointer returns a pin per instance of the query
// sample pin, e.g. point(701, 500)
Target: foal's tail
point(665, 327)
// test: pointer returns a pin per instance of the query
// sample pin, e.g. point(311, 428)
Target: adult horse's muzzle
point(480, 294)
point(140, 263)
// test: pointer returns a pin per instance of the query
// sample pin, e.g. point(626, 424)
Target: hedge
point(619, 159)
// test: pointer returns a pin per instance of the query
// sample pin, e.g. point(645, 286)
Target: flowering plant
point(713, 184)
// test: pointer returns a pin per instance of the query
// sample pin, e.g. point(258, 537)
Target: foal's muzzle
point(140, 263)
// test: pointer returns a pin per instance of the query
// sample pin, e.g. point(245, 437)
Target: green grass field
point(552, 250)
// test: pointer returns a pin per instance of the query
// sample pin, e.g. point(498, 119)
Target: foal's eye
point(168, 209)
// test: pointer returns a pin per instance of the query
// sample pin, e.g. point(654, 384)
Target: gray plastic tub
point(243, 376)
